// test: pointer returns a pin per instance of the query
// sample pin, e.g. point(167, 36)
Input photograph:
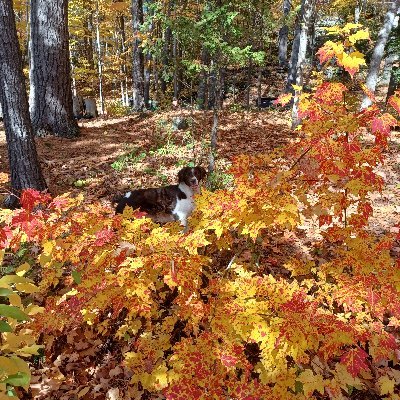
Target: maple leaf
point(330, 93)
point(283, 99)
point(5, 235)
point(329, 50)
point(394, 101)
point(104, 236)
point(311, 382)
point(355, 361)
point(31, 197)
point(383, 123)
point(386, 385)
point(362, 34)
point(351, 62)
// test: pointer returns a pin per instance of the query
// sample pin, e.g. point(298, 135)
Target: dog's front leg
point(182, 217)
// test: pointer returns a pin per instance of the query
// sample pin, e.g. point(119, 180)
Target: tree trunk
point(123, 68)
point(23, 161)
point(212, 86)
point(99, 59)
point(146, 89)
point(360, 7)
point(50, 90)
point(283, 36)
point(249, 77)
point(259, 87)
point(377, 55)
point(306, 16)
point(202, 88)
point(177, 74)
point(300, 44)
point(393, 83)
point(214, 130)
point(137, 64)
point(88, 41)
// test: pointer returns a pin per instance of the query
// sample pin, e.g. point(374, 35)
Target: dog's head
point(192, 177)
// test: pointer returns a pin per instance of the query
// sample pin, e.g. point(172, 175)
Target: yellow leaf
point(161, 376)
point(7, 279)
point(33, 309)
point(15, 300)
point(22, 269)
point(83, 391)
point(311, 382)
point(27, 287)
point(12, 365)
point(386, 385)
point(297, 88)
point(30, 350)
point(360, 35)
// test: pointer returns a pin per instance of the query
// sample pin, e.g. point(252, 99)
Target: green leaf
point(13, 312)
point(298, 387)
point(5, 327)
point(18, 379)
point(5, 292)
point(77, 277)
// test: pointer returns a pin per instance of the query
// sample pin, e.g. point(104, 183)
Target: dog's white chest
point(184, 208)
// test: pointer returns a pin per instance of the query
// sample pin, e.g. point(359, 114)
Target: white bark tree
point(377, 55)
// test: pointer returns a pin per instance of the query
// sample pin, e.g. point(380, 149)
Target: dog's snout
point(193, 180)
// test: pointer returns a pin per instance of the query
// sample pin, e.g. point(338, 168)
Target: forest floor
point(117, 154)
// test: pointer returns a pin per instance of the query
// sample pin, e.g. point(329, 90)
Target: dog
point(168, 203)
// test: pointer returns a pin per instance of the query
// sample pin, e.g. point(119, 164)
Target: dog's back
point(152, 200)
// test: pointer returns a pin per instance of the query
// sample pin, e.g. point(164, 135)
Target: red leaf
point(355, 361)
point(5, 236)
point(31, 197)
point(104, 236)
point(283, 99)
point(324, 219)
point(330, 93)
point(229, 360)
point(383, 124)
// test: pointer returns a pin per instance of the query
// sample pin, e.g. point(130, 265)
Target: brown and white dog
point(168, 203)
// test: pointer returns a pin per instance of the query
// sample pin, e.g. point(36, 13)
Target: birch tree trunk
point(23, 161)
point(283, 37)
point(137, 62)
point(305, 17)
point(99, 59)
point(378, 52)
point(50, 78)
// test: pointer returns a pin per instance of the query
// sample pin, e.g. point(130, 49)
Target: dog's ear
point(181, 175)
point(201, 171)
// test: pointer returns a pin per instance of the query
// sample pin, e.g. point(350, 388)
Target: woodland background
point(286, 285)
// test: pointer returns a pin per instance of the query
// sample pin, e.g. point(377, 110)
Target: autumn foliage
point(221, 312)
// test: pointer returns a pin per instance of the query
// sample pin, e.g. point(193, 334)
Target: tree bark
point(177, 74)
point(50, 78)
point(137, 62)
point(121, 50)
point(23, 161)
point(202, 88)
point(212, 85)
point(283, 37)
point(300, 44)
point(377, 54)
point(305, 17)
point(99, 59)
point(215, 71)
point(249, 79)
point(393, 83)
